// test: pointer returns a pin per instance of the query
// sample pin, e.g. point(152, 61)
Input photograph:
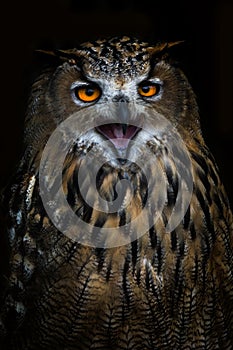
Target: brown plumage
point(159, 289)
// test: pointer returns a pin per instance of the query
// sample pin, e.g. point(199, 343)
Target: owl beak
point(123, 113)
point(124, 128)
point(121, 131)
point(114, 133)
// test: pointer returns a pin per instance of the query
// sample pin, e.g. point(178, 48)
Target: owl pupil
point(145, 89)
point(89, 91)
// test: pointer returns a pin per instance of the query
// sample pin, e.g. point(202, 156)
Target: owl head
point(99, 76)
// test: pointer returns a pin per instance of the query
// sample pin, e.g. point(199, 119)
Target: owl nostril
point(120, 98)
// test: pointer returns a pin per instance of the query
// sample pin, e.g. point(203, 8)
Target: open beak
point(120, 132)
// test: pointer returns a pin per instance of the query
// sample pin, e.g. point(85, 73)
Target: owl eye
point(148, 89)
point(87, 93)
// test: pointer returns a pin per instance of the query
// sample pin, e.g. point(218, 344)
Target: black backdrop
point(206, 57)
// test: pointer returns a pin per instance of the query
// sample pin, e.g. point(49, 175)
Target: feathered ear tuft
point(174, 43)
point(162, 48)
point(71, 56)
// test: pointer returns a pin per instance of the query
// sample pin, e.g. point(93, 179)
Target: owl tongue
point(118, 134)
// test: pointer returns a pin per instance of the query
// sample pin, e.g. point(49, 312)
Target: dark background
point(206, 57)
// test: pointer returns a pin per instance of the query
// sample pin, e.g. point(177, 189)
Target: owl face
point(116, 84)
point(122, 91)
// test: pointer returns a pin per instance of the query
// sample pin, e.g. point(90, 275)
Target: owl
point(116, 231)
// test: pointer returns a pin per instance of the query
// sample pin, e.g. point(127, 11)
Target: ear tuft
point(161, 49)
point(70, 56)
point(174, 43)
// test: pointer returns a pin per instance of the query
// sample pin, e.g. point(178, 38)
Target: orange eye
point(88, 93)
point(148, 89)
